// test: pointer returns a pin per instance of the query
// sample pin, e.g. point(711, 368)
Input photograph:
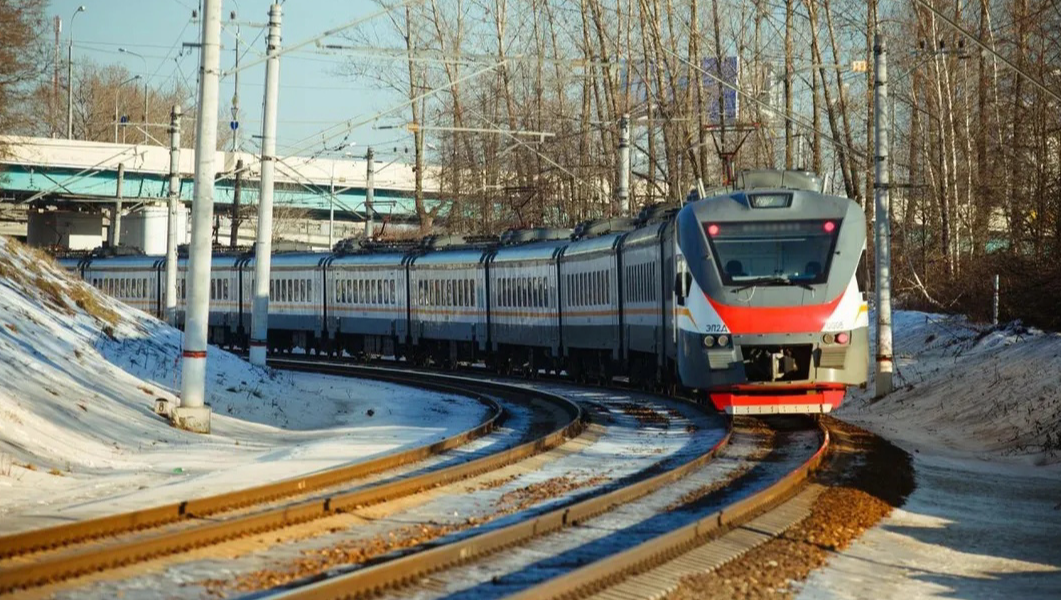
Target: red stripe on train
point(775, 319)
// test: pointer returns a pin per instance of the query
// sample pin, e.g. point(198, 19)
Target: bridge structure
point(59, 192)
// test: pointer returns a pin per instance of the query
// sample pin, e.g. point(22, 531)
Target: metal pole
point(623, 195)
point(233, 236)
point(174, 202)
point(147, 107)
point(116, 221)
point(116, 94)
point(370, 191)
point(235, 91)
point(883, 223)
point(263, 250)
point(994, 304)
point(70, 76)
point(193, 414)
point(331, 210)
point(70, 84)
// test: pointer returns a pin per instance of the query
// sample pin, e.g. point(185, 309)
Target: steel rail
point(401, 571)
point(50, 537)
point(140, 549)
point(610, 571)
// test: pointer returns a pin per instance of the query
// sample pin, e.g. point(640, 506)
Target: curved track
point(566, 417)
point(423, 568)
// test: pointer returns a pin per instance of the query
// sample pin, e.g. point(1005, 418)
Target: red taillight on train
point(829, 226)
point(712, 230)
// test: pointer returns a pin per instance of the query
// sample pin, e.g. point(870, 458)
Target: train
point(746, 297)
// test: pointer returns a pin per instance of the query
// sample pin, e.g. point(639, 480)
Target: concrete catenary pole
point(174, 203)
point(623, 187)
point(264, 247)
point(883, 224)
point(115, 233)
point(370, 191)
point(193, 413)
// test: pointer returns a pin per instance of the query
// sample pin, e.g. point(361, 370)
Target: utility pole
point(116, 219)
point(331, 209)
point(788, 83)
point(233, 237)
point(623, 187)
point(70, 77)
point(193, 414)
point(370, 191)
point(53, 109)
point(883, 223)
point(264, 247)
point(235, 95)
point(174, 202)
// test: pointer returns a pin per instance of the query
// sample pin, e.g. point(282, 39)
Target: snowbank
point(79, 375)
point(969, 391)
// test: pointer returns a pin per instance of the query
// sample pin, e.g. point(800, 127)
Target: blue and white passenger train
point(748, 296)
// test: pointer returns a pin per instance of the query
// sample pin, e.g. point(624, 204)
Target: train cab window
point(773, 252)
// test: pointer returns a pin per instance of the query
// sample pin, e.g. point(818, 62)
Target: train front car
point(770, 316)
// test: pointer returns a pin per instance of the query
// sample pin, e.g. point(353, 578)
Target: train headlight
point(828, 338)
point(723, 340)
point(709, 341)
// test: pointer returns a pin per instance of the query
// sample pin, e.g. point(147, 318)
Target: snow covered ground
point(979, 408)
point(79, 375)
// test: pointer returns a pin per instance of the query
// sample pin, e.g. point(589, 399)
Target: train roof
point(533, 251)
point(596, 244)
point(370, 259)
point(648, 233)
point(122, 262)
point(292, 259)
point(462, 255)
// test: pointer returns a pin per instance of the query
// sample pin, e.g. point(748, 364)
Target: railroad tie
point(665, 578)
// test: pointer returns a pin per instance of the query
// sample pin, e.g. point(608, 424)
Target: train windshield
point(773, 252)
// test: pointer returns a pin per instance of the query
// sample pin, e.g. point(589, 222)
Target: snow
point(970, 391)
point(979, 408)
point(78, 432)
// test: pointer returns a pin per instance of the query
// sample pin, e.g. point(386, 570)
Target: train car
point(647, 254)
point(134, 279)
point(366, 310)
point(590, 303)
point(524, 315)
point(223, 325)
point(771, 318)
point(296, 300)
point(447, 301)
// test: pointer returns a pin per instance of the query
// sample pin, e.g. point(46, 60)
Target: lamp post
point(70, 76)
point(117, 96)
point(146, 96)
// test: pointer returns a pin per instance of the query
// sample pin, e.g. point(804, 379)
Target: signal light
point(842, 338)
point(712, 229)
point(829, 226)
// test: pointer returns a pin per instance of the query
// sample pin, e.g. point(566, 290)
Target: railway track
point(459, 569)
point(34, 558)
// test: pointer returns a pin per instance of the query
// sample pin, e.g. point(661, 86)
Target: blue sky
point(312, 95)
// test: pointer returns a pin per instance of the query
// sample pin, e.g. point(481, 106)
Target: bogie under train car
point(747, 297)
